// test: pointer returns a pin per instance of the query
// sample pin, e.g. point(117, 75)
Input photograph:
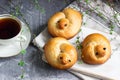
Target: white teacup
point(10, 30)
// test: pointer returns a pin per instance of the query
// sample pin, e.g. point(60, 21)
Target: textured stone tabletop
point(35, 68)
point(35, 13)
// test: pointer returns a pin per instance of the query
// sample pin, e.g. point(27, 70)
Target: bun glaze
point(95, 49)
point(59, 53)
point(65, 24)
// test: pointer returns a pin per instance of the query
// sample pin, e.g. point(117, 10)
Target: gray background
point(35, 68)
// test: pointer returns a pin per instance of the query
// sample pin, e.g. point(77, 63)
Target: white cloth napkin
point(107, 71)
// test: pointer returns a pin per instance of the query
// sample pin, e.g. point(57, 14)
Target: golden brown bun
point(59, 53)
point(65, 24)
point(95, 49)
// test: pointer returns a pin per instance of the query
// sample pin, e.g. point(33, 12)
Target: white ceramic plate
point(15, 48)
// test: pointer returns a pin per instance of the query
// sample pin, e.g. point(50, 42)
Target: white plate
point(108, 70)
point(15, 48)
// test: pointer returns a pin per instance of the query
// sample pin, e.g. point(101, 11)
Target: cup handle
point(21, 38)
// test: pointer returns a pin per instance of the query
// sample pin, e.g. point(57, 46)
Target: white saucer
point(15, 48)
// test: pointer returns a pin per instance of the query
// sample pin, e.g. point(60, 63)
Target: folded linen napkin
point(107, 71)
point(79, 75)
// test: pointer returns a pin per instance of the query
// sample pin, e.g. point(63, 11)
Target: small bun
point(60, 53)
point(95, 49)
point(65, 24)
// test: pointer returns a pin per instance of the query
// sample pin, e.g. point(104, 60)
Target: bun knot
point(62, 23)
point(100, 51)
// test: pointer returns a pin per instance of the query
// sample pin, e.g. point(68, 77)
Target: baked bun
point(95, 49)
point(59, 53)
point(65, 24)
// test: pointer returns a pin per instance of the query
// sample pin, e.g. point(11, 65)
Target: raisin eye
point(65, 25)
point(61, 51)
point(104, 48)
point(96, 53)
point(61, 57)
point(69, 60)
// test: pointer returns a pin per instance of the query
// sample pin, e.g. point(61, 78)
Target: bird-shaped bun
point(95, 49)
point(59, 53)
point(66, 23)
